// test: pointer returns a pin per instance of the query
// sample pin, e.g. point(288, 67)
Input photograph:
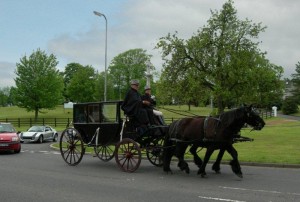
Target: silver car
point(39, 134)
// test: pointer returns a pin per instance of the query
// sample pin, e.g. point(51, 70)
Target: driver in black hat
point(133, 104)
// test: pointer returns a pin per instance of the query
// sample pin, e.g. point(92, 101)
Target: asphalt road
point(39, 173)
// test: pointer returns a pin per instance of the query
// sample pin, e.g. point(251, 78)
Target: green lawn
point(16, 112)
point(277, 142)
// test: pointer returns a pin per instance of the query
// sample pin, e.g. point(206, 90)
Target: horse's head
point(253, 118)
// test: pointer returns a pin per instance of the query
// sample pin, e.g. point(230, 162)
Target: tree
point(290, 106)
point(81, 87)
point(180, 88)
point(224, 53)
point(70, 70)
point(68, 74)
point(126, 66)
point(296, 84)
point(4, 96)
point(38, 83)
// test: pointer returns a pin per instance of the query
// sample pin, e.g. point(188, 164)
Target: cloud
point(80, 48)
point(140, 26)
point(7, 73)
point(280, 38)
point(141, 23)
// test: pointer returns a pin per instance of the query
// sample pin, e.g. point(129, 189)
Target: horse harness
point(210, 130)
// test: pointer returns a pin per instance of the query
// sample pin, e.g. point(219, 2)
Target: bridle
point(258, 125)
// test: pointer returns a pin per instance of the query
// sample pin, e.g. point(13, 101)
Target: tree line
point(221, 64)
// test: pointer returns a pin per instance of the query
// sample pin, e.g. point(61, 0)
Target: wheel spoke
point(71, 149)
point(154, 152)
point(128, 155)
point(125, 160)
point(105, 153)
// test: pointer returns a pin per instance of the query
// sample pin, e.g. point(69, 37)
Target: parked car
point(9, 139)
point(39, 134)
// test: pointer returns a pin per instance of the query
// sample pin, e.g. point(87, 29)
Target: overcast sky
point(70, 30)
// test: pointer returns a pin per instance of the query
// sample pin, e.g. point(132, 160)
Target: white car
point(39, 134)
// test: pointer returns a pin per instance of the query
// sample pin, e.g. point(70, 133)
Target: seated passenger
point(151, 108)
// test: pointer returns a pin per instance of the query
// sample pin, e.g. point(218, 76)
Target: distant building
point(68, 105)
point(288, 90)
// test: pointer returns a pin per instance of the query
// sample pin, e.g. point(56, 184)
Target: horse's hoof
point(240, 175)
point(168, 170)
point(202, 174)
point(216, 170)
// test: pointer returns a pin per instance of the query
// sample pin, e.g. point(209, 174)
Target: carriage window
point(80, 114)
point(109, 112)
point(93, 113)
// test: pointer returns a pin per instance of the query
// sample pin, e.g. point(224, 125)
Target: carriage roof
point(97, 112)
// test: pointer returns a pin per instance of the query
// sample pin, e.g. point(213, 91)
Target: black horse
point(211, 133)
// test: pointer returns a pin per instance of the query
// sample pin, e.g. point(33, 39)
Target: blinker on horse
point(211, 133)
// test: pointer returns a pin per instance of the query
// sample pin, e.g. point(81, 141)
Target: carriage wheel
point(128, 155)
point(105, 153)
point(154, 152)
point(71, 146)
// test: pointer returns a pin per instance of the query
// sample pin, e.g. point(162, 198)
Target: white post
point(274, 108)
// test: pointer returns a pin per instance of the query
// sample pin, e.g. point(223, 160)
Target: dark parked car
point(9, 139)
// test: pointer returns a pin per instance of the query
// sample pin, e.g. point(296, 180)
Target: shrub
point(289, 106)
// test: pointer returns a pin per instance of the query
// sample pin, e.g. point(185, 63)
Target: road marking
point(219, 199)
point(260, 190)
point(42, 152)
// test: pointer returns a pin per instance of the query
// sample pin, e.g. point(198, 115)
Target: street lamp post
point(148, 74)
point(105, 73)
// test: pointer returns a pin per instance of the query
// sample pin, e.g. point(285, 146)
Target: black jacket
point(132, 102)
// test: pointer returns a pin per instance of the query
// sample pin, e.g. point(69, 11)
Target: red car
point(9, 139)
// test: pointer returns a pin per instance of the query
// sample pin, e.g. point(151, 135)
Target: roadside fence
point(266, 113)
point(64, 122)
point(18, 122)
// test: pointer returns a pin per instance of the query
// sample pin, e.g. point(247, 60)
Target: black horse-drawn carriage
point(103, 127)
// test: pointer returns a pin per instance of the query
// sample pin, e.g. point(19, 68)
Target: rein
point(190, 114)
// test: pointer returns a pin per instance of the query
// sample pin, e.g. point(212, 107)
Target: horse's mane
point(230, 117)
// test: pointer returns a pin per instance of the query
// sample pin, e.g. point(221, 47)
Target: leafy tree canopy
point(296, 83)
point(226, 55)
point(81, 86)
point(131, 64)
point(38, 83)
